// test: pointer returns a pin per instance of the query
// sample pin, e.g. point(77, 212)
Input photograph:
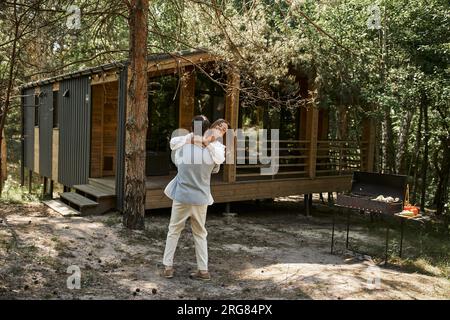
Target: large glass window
point(162, 112)
point(209, 95)
point(263, 116)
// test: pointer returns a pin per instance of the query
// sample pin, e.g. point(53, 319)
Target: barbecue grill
point(365, 188)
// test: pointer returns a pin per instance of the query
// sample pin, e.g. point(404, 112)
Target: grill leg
point(401, 236)
point(306, 202)
point(387, 245)
point(332, 232)
point(348, 229)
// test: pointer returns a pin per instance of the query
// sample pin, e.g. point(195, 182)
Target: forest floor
point(267, 251)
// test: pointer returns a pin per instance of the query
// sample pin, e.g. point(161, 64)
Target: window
point(55, 109)
point(209, 97)
point(36, 110)
point(163, 109)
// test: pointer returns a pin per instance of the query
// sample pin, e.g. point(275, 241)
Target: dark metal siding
point(28, 130)
point(74, 131)
point(121, 117)
point(45, 131)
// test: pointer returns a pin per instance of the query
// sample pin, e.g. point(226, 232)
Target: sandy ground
point(275, 254)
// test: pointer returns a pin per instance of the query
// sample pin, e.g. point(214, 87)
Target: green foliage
point(13, 193)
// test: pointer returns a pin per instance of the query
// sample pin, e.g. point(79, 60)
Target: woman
point(210, 140)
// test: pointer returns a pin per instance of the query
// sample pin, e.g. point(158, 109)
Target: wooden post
point(22, 174)
point(36, 150)
point(367, 162)
point(51, 189)
point(322, 134)
point(311, 135)
point(232, 115)
point(44, 186)
point(186, 101)
point(342, 135)
point(30, 180)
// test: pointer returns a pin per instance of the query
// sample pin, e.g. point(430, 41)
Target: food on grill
point(386, 199)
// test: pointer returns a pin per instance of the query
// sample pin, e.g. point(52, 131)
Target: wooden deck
point(241, 190)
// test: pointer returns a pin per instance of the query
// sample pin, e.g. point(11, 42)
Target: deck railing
point(333, 157)
point(339, 157)
point(292, 156)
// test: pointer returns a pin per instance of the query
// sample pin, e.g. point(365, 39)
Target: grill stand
point(386, 242)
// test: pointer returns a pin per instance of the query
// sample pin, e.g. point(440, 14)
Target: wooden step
point(78, 200)
point(62, 208)
point(96, 191)
point(103, 183)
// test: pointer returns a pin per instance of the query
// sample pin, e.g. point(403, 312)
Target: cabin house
point(73, 129)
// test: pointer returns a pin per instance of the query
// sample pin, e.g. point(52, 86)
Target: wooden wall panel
point(55, 153)
point(36, 149)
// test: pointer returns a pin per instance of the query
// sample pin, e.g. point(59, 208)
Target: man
point(191, 195)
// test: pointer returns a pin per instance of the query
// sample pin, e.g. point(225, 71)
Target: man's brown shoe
point(167, 273)
point(199, 275)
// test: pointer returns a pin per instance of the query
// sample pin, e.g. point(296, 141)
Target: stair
point(86, 200)
point(109, 184)
point(84, 205)
point(62, 208)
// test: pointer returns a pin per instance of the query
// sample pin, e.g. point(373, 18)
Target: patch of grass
point(88, 279)
point(47, 261)
point(156, 233)
point(113, 219)
point(13, 193)
point(15, 270)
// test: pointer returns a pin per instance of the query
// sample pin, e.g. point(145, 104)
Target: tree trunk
point(403, 140)
point(9, 89)
point(136, 122)
point(3, 163)
point(440, 198)
point(424, 102)
point(416, 152)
